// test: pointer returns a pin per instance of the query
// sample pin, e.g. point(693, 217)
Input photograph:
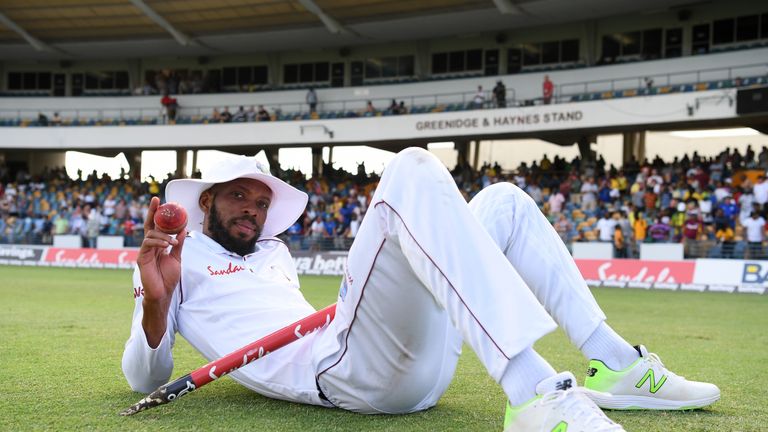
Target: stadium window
point(106, 80)
point(322, 72)
point(700, 39)
point(306, 73)
point(121, 80)
point(228, 77)
point(611, 48)
point(747, 27)
point(373, 68)
point(29, 81)
point(260, 74)
point(291, 74)
point(439, 63)
point(356, 73)
point(531, 54)
point(652, 44)
point(764, 26)
point(91, 81)
point(723, 31)
point(457, 61)
point(491, 62)
point(550, 52)
point(77, 84)
point(44, 81)
point(673, 43)
point(474, 60)
point(244, 75)
point(569, 50)
point(14, 81)
point(405, 66)
point(631, 43)
point(337, 75)
point(514, 60)
point(389, 67)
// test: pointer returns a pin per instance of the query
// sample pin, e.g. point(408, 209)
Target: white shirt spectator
point(760, 190)
point(109, 206)
point(556, 201)
point(605, 227)
point(588, 192)
point(755, 229)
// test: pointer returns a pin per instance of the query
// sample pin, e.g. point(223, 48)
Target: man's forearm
point(155, 321)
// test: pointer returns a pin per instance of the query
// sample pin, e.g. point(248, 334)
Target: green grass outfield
point(62, 333)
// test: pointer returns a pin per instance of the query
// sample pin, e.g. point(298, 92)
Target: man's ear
point(205, 201)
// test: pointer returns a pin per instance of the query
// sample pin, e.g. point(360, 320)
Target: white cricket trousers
point(427, 272)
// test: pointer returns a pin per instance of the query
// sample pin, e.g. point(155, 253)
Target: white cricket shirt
point(224, 302)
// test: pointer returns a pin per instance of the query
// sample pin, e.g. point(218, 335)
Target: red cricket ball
point(170, 218)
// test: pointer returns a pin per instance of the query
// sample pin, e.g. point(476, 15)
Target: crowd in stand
point(715, 206)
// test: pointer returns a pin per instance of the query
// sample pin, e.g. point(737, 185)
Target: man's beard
point(221, 235)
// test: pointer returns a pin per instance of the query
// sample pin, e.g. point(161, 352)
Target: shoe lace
point(577, 405)
point(653, 358)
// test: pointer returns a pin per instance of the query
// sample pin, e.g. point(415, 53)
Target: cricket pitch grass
point(62, 333)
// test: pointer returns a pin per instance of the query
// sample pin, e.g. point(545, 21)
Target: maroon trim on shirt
point(181, 291)
point(446, 279)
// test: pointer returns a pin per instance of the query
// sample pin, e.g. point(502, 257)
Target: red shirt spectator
point(548, 89)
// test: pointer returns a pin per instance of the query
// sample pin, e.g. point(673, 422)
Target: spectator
point(640, 230)
point(555, 202)
point(394, 108)
point(606, 227)
point(500, 95)
point(226, 116)
point(263, 114)
point(170, 105)
point(760, 191)
point(216, 116)
point(755, 227)
point(478, 101)
point(660, 231)
point(724, 235)
point(589, 195)
point(251, 114)
point(619, 244)
point(548, 89)
point(370, 110)
point(311, 99)
point(42, 119)
point(402, 109)
point(240, 115)
point(563, 227)
point(56, 121)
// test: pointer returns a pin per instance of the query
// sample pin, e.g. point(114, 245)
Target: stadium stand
point(700, 202)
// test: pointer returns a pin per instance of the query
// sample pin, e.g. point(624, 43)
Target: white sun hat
point(288, 203)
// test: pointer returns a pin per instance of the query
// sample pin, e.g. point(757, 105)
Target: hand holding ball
point(170, 218)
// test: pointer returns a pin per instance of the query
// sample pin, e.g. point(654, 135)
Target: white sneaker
point(559, 407)
point(646, 384)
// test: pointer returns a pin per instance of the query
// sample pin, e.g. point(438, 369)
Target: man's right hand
point(160, 271)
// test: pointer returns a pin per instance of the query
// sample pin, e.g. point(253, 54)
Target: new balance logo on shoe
point(564, 385)
point(561, 427)
point(591, 372)
point(653, 386)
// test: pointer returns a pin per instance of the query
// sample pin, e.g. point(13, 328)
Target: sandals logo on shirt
point(222, 272)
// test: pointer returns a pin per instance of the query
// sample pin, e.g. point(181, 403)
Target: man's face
point(235, 213)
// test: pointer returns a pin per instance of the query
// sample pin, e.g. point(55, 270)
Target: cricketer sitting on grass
point(426, 272)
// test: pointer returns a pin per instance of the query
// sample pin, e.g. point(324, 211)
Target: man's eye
point(263, 205)
point(238, 195)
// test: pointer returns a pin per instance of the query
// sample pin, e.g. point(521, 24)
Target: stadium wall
point(712, 275)
point(639, 111)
